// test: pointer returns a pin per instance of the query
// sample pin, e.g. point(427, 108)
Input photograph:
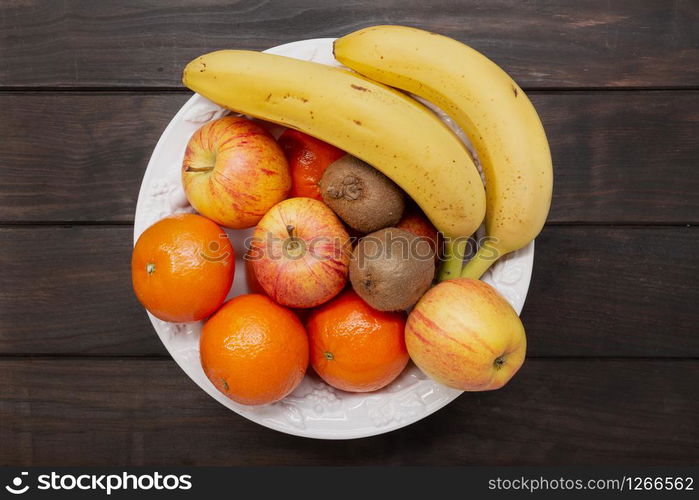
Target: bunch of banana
point(385, 128)
point(491, 109)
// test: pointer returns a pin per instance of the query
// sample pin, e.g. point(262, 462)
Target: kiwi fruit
point(364, 198)
point(391, 269)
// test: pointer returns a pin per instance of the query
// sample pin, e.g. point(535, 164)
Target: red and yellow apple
point(234, 171)
point(300, 253)
point(464, 334)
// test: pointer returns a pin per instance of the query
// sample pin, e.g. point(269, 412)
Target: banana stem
point(479, 264)
point(453, 259)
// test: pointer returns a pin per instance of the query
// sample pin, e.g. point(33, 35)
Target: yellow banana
point(390, 131)
point(491, 109)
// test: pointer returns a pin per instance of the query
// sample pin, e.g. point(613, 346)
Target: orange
point(251, 278)
point(415, 221)
point(308, 158)
point(254, 350)
point(182, 268)
point(355, 347)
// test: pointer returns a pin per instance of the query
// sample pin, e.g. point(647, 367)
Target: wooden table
point(612, 312)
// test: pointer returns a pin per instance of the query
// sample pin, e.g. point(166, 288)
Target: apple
point(300, 253)
point(234, 171)
point(465, 335)
point(255, 287)
point(416, 222)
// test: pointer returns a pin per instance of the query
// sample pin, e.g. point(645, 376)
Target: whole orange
point(355, 347)
point(254, 350)
point(182, 268)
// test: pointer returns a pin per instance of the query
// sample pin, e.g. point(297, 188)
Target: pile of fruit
point(360, 204)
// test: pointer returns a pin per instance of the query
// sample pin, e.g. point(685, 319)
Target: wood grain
point(596, 291)
point(623, 156)
point(78, 157)
point(549, 43)
point(146, 412)
point(618, 156)
point(68, 290)
point(614, 291)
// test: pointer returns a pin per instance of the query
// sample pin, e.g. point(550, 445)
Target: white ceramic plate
point(314, 409)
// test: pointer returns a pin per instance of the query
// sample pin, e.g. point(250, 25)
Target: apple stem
point(195, 169)
point(294, 243)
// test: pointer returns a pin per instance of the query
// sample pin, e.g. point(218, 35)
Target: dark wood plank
point(623, 156)
point(550, 43)
point(146, 412)
point(613, 291)
point(596, 291)
point(68, 290)
point(78, 157)
point(618, 156)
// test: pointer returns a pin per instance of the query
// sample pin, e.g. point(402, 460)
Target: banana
point(390, 131)
point(491, 109)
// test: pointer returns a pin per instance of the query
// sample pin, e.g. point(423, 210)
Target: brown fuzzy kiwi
point(360, 195)
point(391, 269)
